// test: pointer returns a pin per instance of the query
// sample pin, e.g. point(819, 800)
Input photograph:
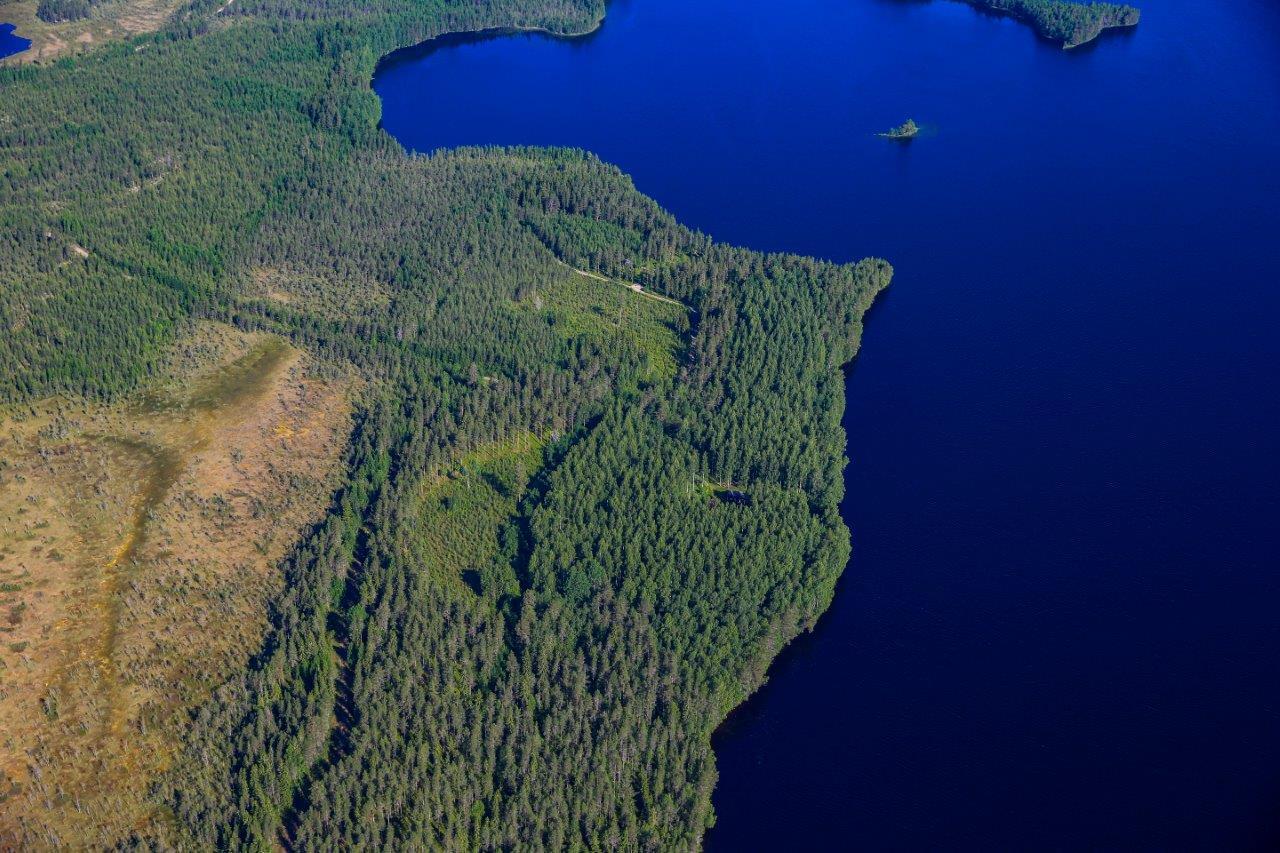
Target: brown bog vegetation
point(107, 21)
point(138, 547)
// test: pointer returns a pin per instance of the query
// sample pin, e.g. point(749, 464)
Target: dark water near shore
point(1061, 626)
point(10, 43)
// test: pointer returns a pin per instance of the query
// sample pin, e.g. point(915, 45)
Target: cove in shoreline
point(422, 49)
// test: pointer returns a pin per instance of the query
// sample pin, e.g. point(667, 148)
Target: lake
point(10, 42)
point(1061, 625)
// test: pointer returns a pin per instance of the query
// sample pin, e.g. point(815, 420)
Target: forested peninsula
point(1072, 24)
point(358, 499)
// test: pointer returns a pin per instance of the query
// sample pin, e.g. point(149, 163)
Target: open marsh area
point(111, 20)
point(137, 548)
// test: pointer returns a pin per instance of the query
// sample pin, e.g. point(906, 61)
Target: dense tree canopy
point(1072, 24)
point(550, 676)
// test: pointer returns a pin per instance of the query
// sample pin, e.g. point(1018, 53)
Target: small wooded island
point(905, 131)
point(1073, 24)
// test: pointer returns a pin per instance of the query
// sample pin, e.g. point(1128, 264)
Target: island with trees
point(906, 131)
point(1071, 24)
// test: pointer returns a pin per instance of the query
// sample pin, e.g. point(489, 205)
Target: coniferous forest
point(575, 523)
point(1072, 24)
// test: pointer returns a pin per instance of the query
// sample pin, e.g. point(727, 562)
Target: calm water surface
point(11, 43)
point(1061, 626)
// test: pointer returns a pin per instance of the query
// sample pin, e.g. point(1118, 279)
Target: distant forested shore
point(1073, 24)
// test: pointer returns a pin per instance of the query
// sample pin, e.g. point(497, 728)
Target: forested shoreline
point(1070, 23)
point(547, 679)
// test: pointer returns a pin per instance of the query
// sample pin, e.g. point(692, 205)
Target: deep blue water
point(1061, 625)
point(11, 43)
